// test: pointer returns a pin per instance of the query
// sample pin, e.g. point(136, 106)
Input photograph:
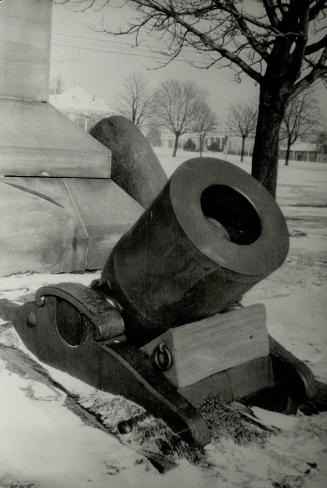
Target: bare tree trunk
point(242, 149)
point(288, 150)
point(201, 141)
point(175, 144)
point(266, 145)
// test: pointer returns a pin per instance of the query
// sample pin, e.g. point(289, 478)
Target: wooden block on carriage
point(209, 346)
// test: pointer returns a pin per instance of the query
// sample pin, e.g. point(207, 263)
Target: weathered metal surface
point(284, 358)
point(114, 366)
point(294, 383)
point(134, 167)
point(55, 225)
point(211, 234)
point(105, 318)
point(94, 350)
point(235, 383)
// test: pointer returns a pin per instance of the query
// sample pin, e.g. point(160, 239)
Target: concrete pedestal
point(59, 209)
point(25, 34)
point(61, 224)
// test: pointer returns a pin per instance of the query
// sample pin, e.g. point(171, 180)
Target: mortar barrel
point(211, 234)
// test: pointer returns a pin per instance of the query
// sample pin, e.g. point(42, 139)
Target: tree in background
point(281, 45)
point(300, 119)
point(189, 145)
point(205, 122)
point(242, 121)
point(154, 136)
point(177, 106)
point(321, 141)
point(135, 101)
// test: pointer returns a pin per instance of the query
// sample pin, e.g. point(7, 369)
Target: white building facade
point(81, 107)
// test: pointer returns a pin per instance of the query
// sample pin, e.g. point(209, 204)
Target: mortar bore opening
point(233, 211)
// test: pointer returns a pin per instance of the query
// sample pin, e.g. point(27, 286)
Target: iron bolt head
point(162, 357)
point(124, 427)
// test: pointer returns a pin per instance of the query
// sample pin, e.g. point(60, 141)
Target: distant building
point(217, 141)
point(234, 145)
point(81, 107)
point(301, 151)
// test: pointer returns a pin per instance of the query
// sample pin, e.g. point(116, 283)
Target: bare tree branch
point(135, 101)
point(319, 70)
point(242, 121)
point(301, 117)
point(317, 7)
point(206, 121)
point(280, 44)
point(177, 106)
point(316, 46)
point(271, 12)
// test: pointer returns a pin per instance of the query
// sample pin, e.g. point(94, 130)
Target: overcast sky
point(100, 62)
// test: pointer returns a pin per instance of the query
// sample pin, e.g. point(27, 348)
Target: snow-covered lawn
point(44, 444)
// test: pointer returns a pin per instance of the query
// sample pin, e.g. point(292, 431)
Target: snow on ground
point(44, 444)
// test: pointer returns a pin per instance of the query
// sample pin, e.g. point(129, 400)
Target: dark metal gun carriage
point(163, 326)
